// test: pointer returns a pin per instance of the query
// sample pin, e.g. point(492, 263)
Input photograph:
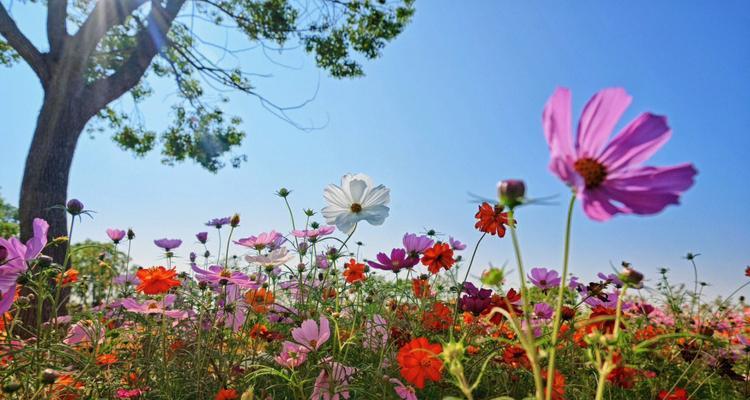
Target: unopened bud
point(49, 376)
point(235, 221)
point(511, 192)
point(74, 207)
point(131, 234)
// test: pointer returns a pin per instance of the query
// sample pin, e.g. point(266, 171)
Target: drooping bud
point(235, 221)
point(511, 192)
point(131, 234)
point(74, 207)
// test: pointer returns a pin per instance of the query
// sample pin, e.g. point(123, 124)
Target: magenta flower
point(310, 336)
point(218, 275)
point(415, 245)
point(544, 279)
point(202, 237)
point(543, 311)
point(455, 244)
point(271, 240)
point(314, 233)
point(17, 256)
point(292, 355)
point(168, 244)
point(395, 263)
point(609, 177)
point(116, 235)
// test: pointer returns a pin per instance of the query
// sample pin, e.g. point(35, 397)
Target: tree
point(8, 219)
point(101, 50)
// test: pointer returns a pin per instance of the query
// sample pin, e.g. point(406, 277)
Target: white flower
point(275, 258)
point(355, 200)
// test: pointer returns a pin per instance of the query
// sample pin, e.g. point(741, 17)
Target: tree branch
point(105, 15)
point(150, 40)
point(57, 32)
point(23, 46)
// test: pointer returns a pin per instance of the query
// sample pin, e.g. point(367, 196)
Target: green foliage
point(8, 219)
point(8, 56)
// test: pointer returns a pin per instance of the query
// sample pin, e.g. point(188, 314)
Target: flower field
point(308, 314)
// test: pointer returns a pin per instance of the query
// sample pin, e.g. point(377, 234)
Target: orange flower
point(558, 385)
point(439, 318)
point(491, 219)
point(419, 360)
point(438, 256)
point(106, 359)
point(156, 280)
point(421, 288)
point(354, 271)
point(66, 388)
point(676, 394)
point(68, 277)
point(227, 394)
point(259, 299)
point(515, 356)
point(258, 331)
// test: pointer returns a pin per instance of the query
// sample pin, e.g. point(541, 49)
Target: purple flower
point(116, 235)
point(314, 233)
point(202, 237)
point(395, 263)
point(476, 300)
point(126, 279)
point(18, 255)
point(219, 222)
point(270, 240)
point(218, 275)
point(543, 311)
point(544, 279)
point(168, 244)
point(611, 278)
point(573, 283)
point(455, 244)
point(415, 245)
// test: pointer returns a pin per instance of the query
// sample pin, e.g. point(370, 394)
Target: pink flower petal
point(599, 117)
point(677, 178)
point(643, 137)
point(556, 119)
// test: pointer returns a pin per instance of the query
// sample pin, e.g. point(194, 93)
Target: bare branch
point(105, 15)
point(23, 46)
point(150, 40)
point(57, 33)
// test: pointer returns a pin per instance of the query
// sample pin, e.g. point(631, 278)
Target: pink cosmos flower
point(116, 235)
point(375, 333)
point(84, 331)
point(333, 382)
point(310, 336)
point(218, 275)
point(314, 233)
point(609, 177)
point(154, 307)
point(271, 240)
point(292, 355)
point(403, 391)
point(18, 255)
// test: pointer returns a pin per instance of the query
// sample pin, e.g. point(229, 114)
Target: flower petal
point(379, 195)
point(375, 215)
point(643, 137)
point(598, 119)
point(597, 206)
point(677, 179)
point(556, 119)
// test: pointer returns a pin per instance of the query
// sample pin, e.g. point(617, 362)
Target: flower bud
point(193, 256)
point(511, 192)
point(235, 221)
point(49, 376)
point(131, 234)
point(283, 192)
point(631, 277)
point(74, 207)
point(202, 237)
point(44, 261)
point(12, 386)
point(493, 277)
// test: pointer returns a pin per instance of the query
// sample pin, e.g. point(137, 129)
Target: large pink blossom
point(19, 254)
point(609, 178)
point(310, 335)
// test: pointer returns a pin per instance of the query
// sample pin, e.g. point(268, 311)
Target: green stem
point(461, 287)
point(560, 297)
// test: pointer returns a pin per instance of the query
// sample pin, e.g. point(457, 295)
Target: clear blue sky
point(454, 105)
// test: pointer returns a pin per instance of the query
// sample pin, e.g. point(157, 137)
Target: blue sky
point(454, 105)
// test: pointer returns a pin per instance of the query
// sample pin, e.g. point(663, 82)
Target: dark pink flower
point(609, 178)
point(395, 263)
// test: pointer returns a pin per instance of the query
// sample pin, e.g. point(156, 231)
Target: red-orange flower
point(66, 388)
point(438, 256)
point(106, 359)
point(354, 271)
point(438, 318)
point(156, 280)
point(419, 360)
point(676, 394)
point(421, 288)
point(515, 356)
point(491, 219)
point(260, 299)
point(558, 385)
point(747, 271)
point(68, 277)
point(227, 394)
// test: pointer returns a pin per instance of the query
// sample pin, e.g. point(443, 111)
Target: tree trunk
point(45, 179)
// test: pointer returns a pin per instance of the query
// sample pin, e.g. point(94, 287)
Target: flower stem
point(466, 276)
point(558, 306)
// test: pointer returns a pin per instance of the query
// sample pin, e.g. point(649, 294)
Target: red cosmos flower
point(68, 277)
point(558, 385)
point(227, 394)
point(676, 394)
point(106, 359)
point(438, 256)
point(747, 271)
point(515, 356)
point(509, 303)
point(419, 360)
point(491, 219)
point(156, 280)
point(438, 318)
point(421, 288)
point(354, 271)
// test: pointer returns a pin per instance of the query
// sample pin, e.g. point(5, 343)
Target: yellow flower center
point(356, 208)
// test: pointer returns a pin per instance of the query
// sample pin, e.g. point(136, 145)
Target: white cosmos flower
point(275, 258)
point(355, 200)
